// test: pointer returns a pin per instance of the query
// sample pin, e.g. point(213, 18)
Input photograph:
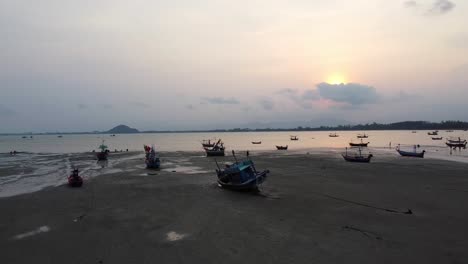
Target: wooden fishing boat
point(414, 132)
point(241, 175)
point(152, 161)
point(357, 157)
point(216, 150)
point(102, 155)
point(362, 135)
point(460, 143)
point(411, 153)
point(282, 147)
point(294, 138)
point(333, 135)
point(256, 142)
point(207, 143)
point(75, 180)
point(361, 144)
point(436, 138)
point(434, 133)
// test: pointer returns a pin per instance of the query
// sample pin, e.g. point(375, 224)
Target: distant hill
point(122, 129)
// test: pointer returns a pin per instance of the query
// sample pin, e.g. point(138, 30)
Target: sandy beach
point(313, 208)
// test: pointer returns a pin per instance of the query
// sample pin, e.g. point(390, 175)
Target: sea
point(45, 160)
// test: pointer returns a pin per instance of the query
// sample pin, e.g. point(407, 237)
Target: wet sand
point(313, 208)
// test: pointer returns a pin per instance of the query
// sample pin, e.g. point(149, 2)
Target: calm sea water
point(237, 141)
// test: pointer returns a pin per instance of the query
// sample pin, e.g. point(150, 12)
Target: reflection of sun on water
point(336, 78)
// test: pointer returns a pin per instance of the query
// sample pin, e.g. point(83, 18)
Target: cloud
point(410, 4)
point(219, 100)
point(441, 7)
point(140, 104)
point(267, 104)
point(350, 93)
point(81, 106)
point(302, 98)
point(6, 112)
point(403, 96)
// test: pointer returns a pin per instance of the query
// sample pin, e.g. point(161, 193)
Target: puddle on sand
point(186, 169)
point(42, 229)
point(173, 236)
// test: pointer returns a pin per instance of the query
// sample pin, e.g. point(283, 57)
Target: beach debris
point(408, 211)
point(364, 232)
point(173, 236)
point(42, 229)
point(79, 218)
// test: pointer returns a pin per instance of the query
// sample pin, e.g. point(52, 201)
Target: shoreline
point(311, 207)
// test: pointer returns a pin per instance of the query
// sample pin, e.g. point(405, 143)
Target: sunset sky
point(82, 65)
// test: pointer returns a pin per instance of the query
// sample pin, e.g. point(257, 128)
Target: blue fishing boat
point(241, 175)
point(151, 159)
point(413, 153)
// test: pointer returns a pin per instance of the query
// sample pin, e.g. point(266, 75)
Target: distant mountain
point(122, 129)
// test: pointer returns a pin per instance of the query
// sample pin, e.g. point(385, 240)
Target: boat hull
point(357, 158)
point(256, 143)
point(456, 145)
point(411, 154)
point(251, 184)
point(281, 148)
point(75, 181)
point(359, 144)
point(214, 153)
point(102, 155)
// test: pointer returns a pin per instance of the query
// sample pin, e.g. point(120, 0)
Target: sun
point(336, 78)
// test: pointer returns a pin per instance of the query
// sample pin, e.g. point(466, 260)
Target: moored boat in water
point(256, 142)
point(436, 138)
point(294, 138)
point(207, 143)
point(433, 133)
point(333, 135)
point(240, 175)
point(362, 135)
point(282, 147)
point(361, 144)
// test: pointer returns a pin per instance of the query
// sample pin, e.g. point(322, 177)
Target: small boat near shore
point(102, 155)
point(240, 175)
point(75, 180)
point(357, 157)
point(433, 133)
point(456, 143)
point(436, 138)
point(282, 147)
point(217, 149)
point(207, 143)
point(256, 142)
point(361, 144)
point(294, 138)
point(413, 153)
point(152, 161)
point(362, 136)
point(333, 135)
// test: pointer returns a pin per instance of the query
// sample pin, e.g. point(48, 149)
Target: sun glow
point(336, 78)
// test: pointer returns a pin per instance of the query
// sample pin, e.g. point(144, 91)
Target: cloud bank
point(220, 100)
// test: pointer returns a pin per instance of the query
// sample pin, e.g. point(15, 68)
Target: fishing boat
point(75, 180)
point(24, 137)
point(414, 132)
point(282, 147)
point(207, 143)
point(357, 157)
point(59, 136)
point(436, 138)
point(152, 161)
point(433, 133)
point(456, 143)
point(216, 150)
point(102, 155)
point(362, 135)
point(449, 131)
point(413, 153)
point(256, 142)
point(333, 135)
point(240, 175)
point(294, 138)
point(361, 144)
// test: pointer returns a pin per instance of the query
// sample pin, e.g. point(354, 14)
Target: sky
point(84, 65)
